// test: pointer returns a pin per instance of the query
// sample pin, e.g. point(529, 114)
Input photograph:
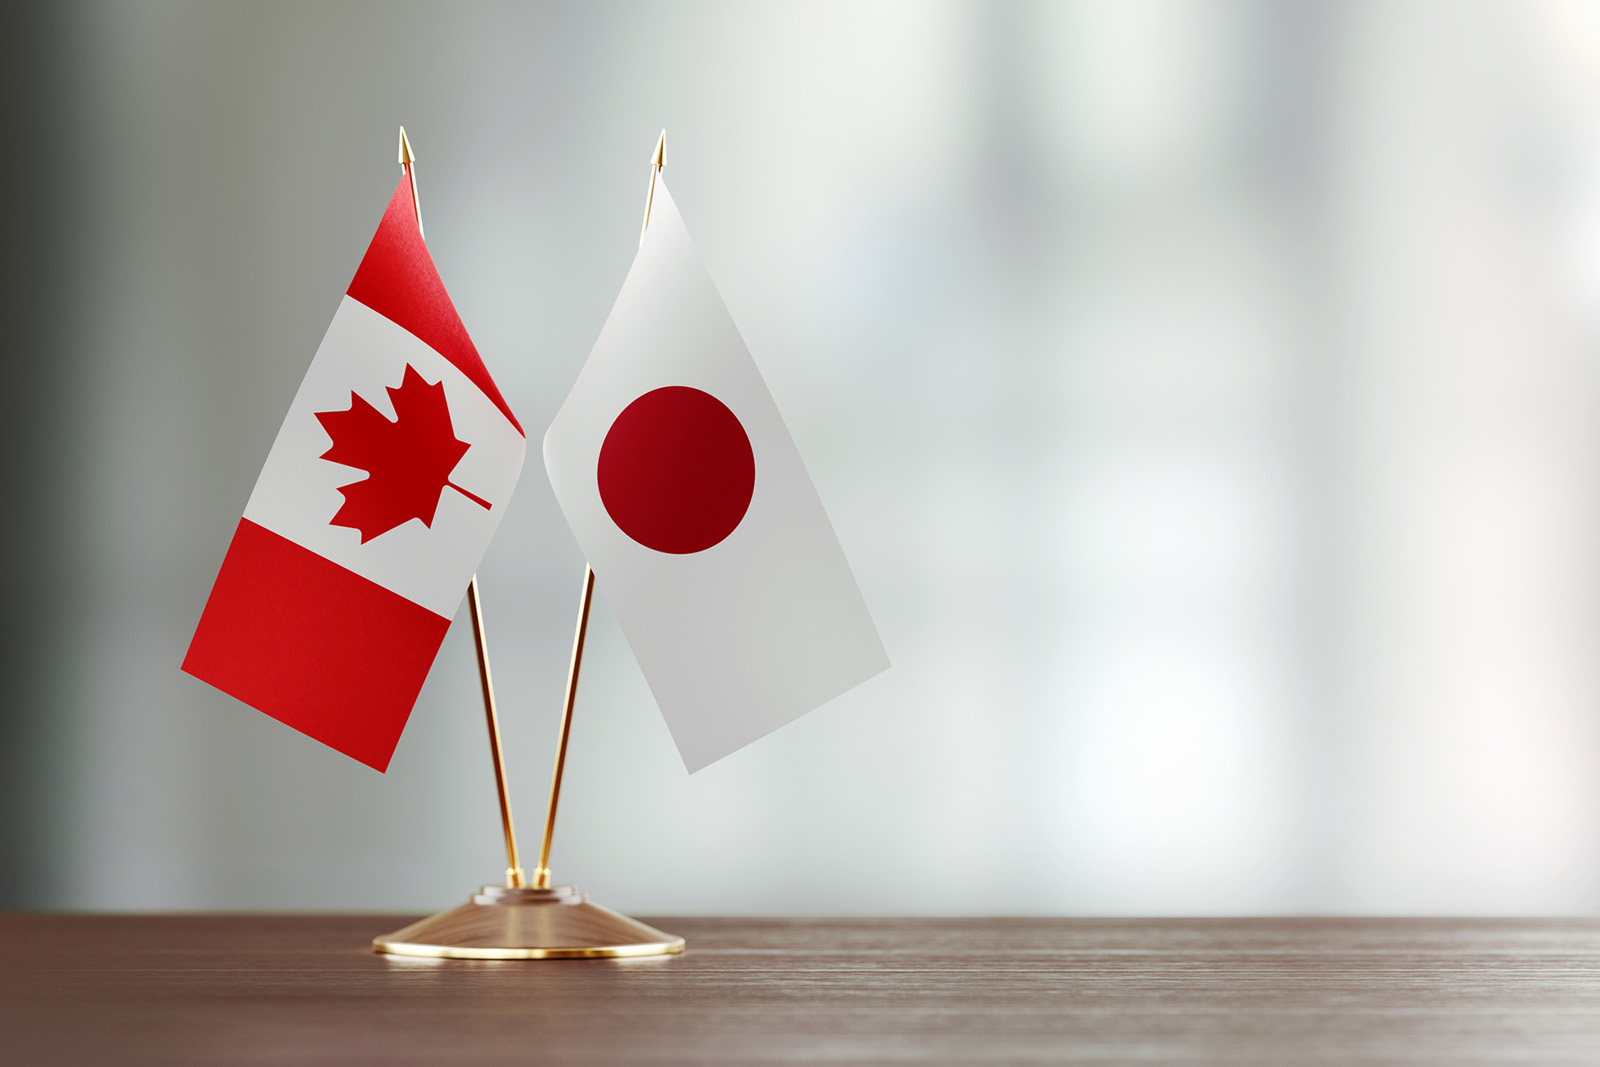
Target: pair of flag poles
point(515, 876)
point(519, 921)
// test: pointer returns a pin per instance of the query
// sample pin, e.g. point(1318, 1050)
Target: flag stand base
point(501, 923)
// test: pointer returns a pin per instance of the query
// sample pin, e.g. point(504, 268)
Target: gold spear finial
point(406, 161)
point(657, 161)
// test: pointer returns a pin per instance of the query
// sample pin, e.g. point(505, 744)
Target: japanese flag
point(688, 495)
point(377, 501)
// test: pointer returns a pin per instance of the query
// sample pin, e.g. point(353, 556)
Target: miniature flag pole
point(515, 878)
point(541, 877)
point(518, 921)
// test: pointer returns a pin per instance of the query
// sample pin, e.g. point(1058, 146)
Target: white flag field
point(689, 497)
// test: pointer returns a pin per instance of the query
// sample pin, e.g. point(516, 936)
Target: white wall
point(1204, 394)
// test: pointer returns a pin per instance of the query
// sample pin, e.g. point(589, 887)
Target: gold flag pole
point(515, 879)
point(541, 876)
point(515, 921)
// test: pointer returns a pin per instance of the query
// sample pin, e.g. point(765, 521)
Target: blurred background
point(1204, 391)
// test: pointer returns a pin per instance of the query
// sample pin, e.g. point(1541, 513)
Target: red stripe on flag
point(319, 648)
point(398, 280)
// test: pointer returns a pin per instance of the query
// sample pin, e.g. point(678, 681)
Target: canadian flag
point(685, 490)
point(376, 504)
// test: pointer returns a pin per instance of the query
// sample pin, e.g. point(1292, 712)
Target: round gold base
point(500, 923)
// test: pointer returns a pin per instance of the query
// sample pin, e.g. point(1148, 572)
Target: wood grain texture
point(307, 990)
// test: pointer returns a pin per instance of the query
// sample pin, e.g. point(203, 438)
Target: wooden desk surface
point(219, 989)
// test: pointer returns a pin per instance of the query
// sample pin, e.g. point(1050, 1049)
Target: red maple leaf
point(408, 461)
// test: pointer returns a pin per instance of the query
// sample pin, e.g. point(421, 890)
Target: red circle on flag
point(676, 471)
